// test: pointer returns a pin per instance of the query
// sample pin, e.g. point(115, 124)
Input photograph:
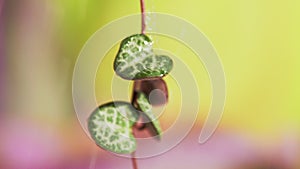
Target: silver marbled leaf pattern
point(136, 59)
point(110, 126)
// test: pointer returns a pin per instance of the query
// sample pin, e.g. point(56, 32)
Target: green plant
point(111, 124)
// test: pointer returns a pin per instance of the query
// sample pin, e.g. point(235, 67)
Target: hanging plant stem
point(143, 16)
point(133, 160)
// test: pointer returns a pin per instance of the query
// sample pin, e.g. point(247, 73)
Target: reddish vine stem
point(143, 16)
point(133, 160)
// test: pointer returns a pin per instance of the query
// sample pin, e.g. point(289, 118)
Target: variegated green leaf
point(144, 105)
point(136, 60)
point(110, 126)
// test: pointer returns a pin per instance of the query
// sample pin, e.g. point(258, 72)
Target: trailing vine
point(111, 124)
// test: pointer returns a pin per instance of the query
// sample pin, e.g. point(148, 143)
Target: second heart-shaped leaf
point(136, 59)
point(110, 126)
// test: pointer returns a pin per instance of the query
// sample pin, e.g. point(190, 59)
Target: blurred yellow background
point(257, 42)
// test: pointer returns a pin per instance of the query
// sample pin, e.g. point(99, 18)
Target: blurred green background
point(258, 44)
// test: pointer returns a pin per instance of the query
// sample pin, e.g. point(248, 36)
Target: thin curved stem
point(133, 160)
point(143, 16)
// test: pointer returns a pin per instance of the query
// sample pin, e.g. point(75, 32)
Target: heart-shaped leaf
point(136, 60)
point(152, 124)
point(110, 125)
